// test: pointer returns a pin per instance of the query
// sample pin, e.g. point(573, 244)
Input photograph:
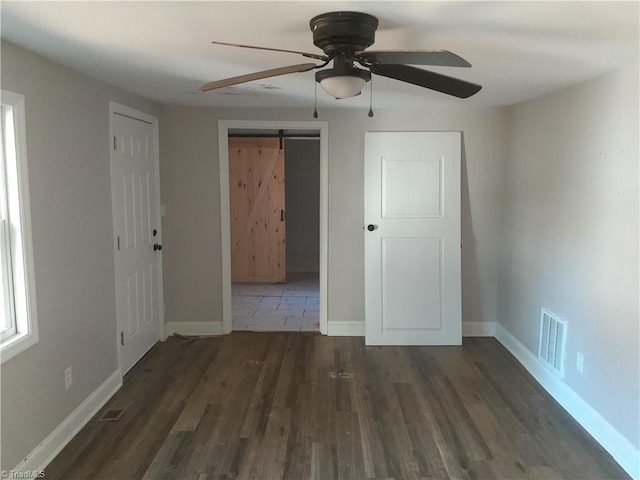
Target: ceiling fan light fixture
point(344, 38)
point(341, 84)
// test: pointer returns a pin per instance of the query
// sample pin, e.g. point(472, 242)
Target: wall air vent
point(553, 340)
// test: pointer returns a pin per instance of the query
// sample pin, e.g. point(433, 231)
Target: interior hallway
point(288, 307)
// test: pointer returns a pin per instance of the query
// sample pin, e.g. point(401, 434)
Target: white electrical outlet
point(580, 362)
point(68, 378)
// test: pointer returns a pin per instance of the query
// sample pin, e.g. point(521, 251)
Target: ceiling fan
point(344, 38)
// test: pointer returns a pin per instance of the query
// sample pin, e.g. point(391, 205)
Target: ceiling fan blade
point(274, 72)
point(424, 78)
point(442, 58)
point(317, 56)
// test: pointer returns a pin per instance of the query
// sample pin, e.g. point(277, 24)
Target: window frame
point(18, 280)
point(8, 324)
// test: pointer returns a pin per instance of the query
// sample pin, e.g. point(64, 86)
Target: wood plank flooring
point(303, 406)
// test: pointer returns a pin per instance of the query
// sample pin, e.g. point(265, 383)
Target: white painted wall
point(67, 124)
point(191, 228)
point(570, 236)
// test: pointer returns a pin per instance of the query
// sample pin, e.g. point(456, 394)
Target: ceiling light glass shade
point(344, 86)
point(341, 83)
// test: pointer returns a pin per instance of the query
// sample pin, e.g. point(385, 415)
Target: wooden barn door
point(256, 192)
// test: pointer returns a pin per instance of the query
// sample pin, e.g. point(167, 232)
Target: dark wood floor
point(304, 406)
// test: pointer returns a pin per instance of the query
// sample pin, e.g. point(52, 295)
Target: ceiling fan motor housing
point(343, 32)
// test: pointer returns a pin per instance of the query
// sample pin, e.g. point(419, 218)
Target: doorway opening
point(273, 183)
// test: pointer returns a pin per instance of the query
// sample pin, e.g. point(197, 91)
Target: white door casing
point(137, 240)
point(412, 238)
point(225, 229)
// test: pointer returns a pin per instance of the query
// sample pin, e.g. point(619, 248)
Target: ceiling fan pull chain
point(315, 99)
point(371, 97)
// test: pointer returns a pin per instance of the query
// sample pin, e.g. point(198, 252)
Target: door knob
point(156, 247)
point(371, 227)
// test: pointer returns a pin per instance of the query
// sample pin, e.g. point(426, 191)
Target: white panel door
point(412, 238)
point(138, 248)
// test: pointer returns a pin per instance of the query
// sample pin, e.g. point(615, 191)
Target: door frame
point(116, 108)
point(225, 226)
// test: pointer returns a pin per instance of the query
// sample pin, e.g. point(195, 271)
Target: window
point(18, 326)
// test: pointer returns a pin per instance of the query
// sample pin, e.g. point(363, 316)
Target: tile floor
point(288, 307)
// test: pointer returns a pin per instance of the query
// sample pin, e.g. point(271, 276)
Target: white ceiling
point(162, 50)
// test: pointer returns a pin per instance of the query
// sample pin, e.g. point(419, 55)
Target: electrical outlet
point(580, 362)
point(68, 378)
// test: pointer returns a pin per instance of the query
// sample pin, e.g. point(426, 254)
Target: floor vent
point(115, 412)
point(553, 339)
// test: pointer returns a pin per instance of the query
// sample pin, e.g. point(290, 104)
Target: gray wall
point(192, 267)
point(67, 126)
point(302, 192)
point(570, 235)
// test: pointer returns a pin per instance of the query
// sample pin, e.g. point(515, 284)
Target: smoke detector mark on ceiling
point(248, 89)
point(263, 86)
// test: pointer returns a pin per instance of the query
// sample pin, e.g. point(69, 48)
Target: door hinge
point(118, 242)
point(115, 143)
point(122, 338)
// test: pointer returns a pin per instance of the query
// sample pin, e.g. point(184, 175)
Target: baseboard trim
point(53, 444)
point(345, 329)
point(357, 329)
point(193, 328)
point(479, 329)
point(618, 446)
